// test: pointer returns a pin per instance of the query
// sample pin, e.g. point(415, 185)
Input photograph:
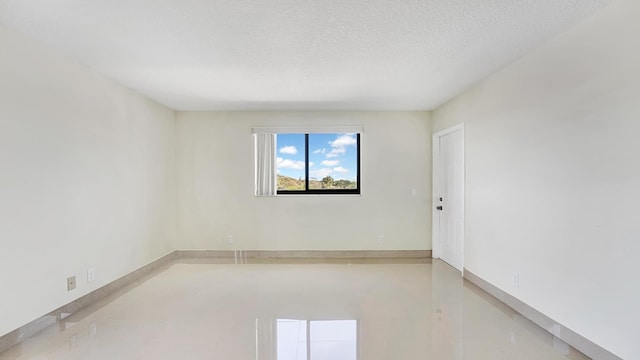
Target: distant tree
point(343, 184)
point(327, 182)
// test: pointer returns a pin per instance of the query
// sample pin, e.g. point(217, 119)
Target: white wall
point(86, 180)
point(216, 186)
point(553, 177)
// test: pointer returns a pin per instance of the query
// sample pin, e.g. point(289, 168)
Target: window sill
point(308, 195)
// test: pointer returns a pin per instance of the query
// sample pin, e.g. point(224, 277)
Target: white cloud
point(320, 151)
point(344, 140)
point(335, 152)
point(330, 162)
point(339, 145)
point(340, 169)
point(311, 163)
point(289, 164)
point(320, 173)
point(291, 150)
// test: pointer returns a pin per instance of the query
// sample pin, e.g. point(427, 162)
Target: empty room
point(319, 180)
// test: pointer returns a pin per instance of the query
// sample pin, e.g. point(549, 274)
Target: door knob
point(439, 207)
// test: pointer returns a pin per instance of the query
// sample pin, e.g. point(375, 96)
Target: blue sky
point(329, 154)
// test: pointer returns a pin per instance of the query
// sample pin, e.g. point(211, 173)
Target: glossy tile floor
point(386, 310)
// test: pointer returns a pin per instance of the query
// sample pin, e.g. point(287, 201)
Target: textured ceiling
point(295, 54)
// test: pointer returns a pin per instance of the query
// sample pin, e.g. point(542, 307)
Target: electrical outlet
point(380, 239)
point(229, 239)
point(515, 279)
point(91, 275)
point(71, 283)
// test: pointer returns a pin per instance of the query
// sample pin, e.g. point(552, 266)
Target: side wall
point(86, 180)
point(216, 186)
point(553, 177)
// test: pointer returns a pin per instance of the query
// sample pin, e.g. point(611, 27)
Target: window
point(318, 163)
point(307, 160)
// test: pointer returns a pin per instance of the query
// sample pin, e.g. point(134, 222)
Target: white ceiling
point(295, 54)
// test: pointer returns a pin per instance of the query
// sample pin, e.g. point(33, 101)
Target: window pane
point(290, 161)
point(333, 162)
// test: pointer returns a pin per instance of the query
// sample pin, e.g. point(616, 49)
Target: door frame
point(436, 248)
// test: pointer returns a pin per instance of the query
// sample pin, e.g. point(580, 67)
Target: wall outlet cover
point(515, 278)
point(71, 283)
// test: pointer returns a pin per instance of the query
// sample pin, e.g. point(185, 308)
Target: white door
point(449, 198)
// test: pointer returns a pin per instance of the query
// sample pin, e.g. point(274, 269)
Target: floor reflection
point(316, 339)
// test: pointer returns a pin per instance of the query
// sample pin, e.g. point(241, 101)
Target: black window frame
point(308, 191)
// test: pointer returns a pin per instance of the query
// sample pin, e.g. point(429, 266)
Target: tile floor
point(292, 310)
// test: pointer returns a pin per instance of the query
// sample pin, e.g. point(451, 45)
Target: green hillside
point(289, 183)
